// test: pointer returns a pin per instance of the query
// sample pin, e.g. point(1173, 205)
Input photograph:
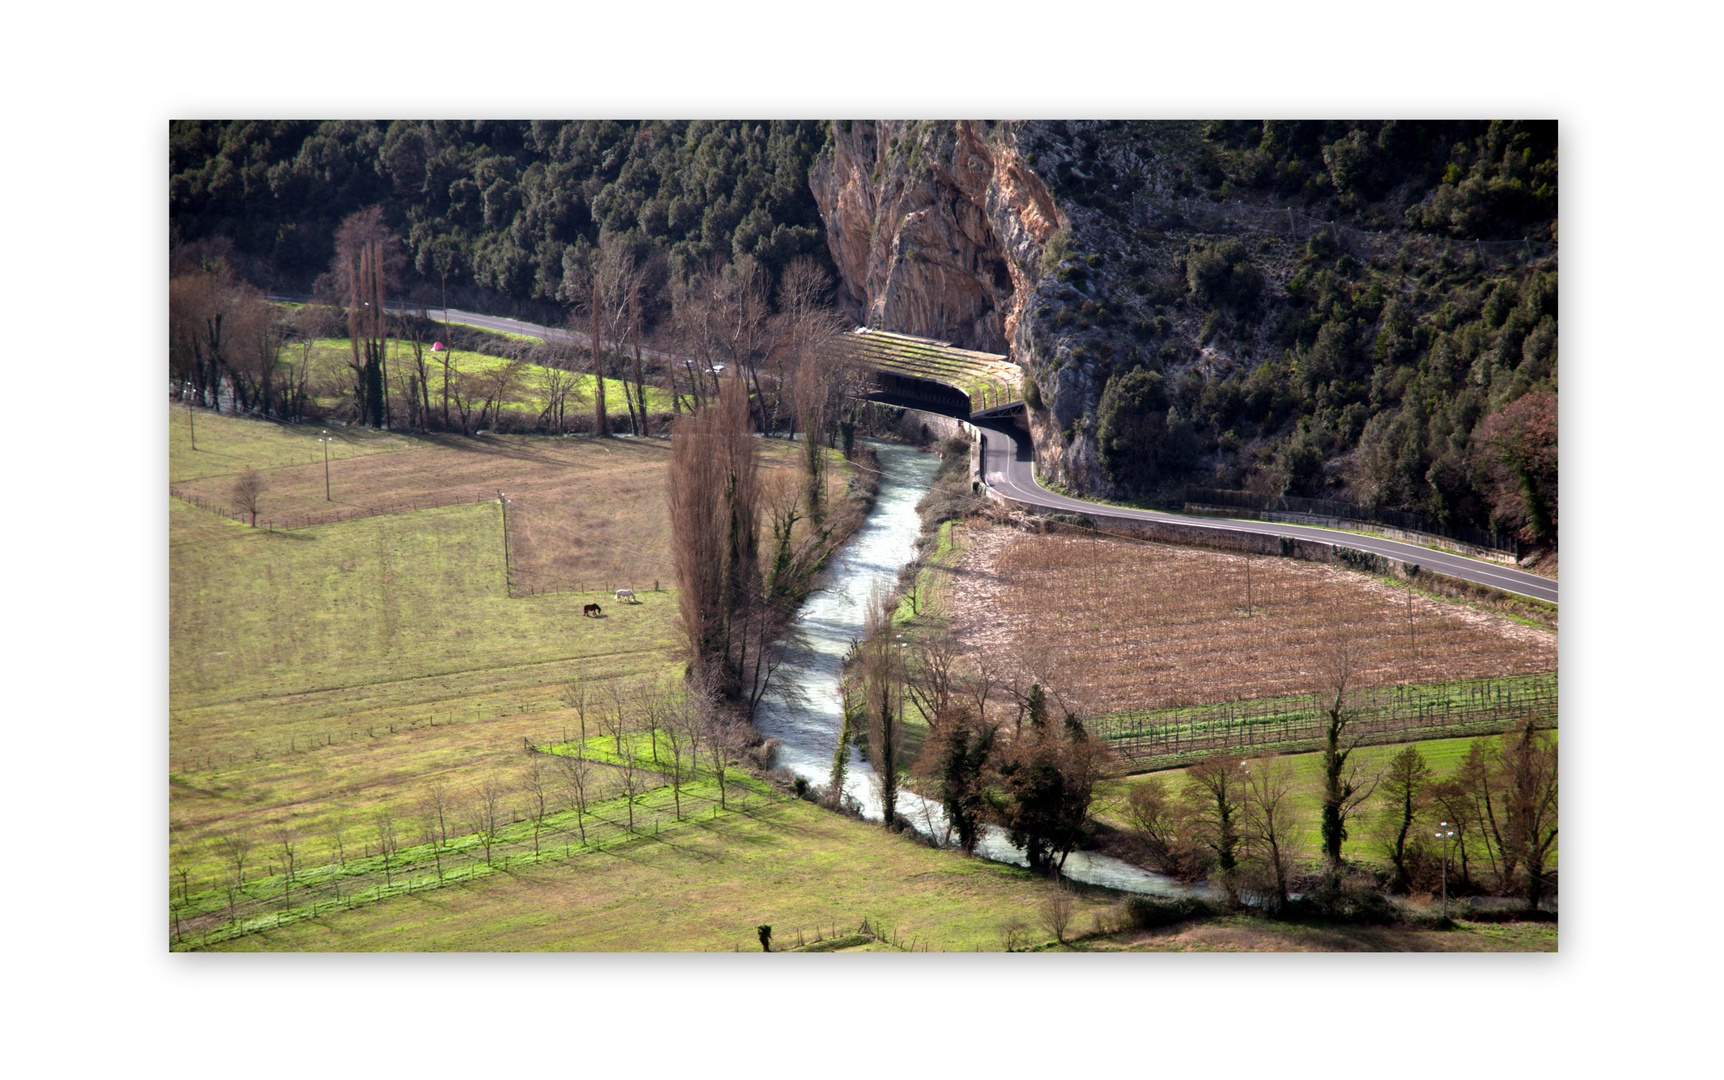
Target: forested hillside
point(497, 206)
point(1364, 310)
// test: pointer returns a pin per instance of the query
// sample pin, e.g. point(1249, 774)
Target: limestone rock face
point(944, 228)
point(932, 226)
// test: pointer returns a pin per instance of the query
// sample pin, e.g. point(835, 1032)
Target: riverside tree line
point(634, 324)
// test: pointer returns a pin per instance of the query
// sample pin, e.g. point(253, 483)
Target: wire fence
point(1204, 216)
point(1337, 510)
point(207, 912)
point(285, 522)
point(1151, 738)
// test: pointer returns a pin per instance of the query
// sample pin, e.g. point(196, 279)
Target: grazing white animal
point(627, 594)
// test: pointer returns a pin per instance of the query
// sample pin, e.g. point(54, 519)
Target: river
point(805, 712)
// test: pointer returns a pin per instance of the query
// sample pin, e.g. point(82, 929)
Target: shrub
point(1222, 275)
point(1152, 913)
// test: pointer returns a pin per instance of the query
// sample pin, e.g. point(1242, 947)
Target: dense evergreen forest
point(497, 208)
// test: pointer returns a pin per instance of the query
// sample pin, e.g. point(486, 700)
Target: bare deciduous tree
point(237, 847)
point(485, 813)
point(388, 840)
point(1530, 785)
point(337, 827)
point(1345, 786)
point(287, 838)
point(1216, 789)
point(248, 493)
point(1401, 795)
point(713, 495)
point(367, 257)
point(577, 778)
point(723, 743)
point(1271, 824)
point(1480, 778)
point(1158, 819)
point(635, 780)
point(883, 694)
point(431, 828)
point(614, 717)
point(578, 695)
point(1057, 912)
point(537, 786)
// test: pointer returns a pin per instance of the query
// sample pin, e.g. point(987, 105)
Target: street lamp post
point(325, 440)
point(1445, 833)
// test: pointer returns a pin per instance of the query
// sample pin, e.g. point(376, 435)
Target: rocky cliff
point(1315, 308)
point(952, 230)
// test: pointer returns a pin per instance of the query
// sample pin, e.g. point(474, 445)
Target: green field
point(703, 887)
point(331, 372)
point(1444, 756)
point(323, 677)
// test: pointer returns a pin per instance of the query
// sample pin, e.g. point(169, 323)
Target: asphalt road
point(1007, 467)
point(499, 324)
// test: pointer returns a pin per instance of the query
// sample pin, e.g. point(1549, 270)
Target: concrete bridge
point(921, 373)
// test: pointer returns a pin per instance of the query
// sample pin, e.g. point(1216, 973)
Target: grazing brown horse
point(592, 610)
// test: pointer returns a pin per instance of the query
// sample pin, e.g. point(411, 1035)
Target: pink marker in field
point(437, 346)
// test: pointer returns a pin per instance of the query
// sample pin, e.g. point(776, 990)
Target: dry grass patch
point(1123, 625)
point(585, 515)
point(1244, 933)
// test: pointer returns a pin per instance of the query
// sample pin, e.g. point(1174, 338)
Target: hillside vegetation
point(1357, 309)
point(496, 206)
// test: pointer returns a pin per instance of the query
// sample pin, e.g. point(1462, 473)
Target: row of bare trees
point(1240, 823)
point(659, 736)
point(225, 344)
point(225, 341)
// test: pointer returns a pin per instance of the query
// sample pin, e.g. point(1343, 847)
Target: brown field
point(1120, 625)
point(584, 515)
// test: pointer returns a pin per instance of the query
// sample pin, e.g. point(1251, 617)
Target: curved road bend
point(1008, 468)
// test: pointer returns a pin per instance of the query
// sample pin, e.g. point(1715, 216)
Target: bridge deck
point(989, 380)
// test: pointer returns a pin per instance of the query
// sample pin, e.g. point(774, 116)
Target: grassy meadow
point(328, 678)
point(704, 886)
point(332, 374)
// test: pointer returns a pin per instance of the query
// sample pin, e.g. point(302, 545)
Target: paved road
point(499, 324)
point(1007, 467)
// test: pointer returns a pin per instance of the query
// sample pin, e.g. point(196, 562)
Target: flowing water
point(805, 712)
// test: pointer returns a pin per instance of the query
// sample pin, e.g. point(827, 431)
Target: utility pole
point(325, 439)
point(1445, 833)
point(1412, 631)
point(503, 501)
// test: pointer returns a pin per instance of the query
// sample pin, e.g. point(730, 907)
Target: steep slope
point(1341, 309)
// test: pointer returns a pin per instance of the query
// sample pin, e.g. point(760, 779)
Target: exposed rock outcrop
point(952, 230)
point(1312, 308)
